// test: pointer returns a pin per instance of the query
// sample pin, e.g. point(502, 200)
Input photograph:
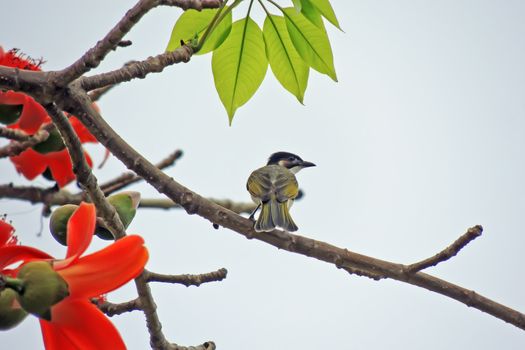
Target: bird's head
point(289, 160)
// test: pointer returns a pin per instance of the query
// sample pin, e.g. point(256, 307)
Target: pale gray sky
point(421, 138)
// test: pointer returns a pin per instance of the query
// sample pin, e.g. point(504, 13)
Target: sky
point(421, 138)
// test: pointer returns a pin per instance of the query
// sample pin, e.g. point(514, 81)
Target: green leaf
point(311, 12)
point(287, 66)
point(297, 5)
point(327, 11)
point(193, 23)
point(239, 65)
point(311, 42)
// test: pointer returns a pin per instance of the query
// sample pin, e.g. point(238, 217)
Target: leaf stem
point(219, 16)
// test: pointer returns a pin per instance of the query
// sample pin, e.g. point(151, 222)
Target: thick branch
point(188, 280)
point(83, 172)
point(137, 69)
point(449, 251)
point(342, 258)
point(111, 219)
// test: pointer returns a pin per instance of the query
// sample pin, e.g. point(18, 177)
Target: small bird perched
point(274, 187)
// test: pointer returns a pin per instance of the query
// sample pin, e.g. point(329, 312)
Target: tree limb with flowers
point(49, 115)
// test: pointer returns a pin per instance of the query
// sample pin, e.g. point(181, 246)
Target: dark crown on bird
point(288, 160)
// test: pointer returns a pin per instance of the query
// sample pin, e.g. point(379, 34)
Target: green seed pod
point(53, 143)
point(10, 315)
point(58, 222)
point(43, 288)
point(9, 114)
point(125, 203)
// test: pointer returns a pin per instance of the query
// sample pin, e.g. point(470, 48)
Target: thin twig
point(129, 178)
point(13, 134)
point(137, 69)
point(448, 252)
point(192, 4)
point(188, 280)
point(209, 345)
point(164, 203)
point(112, 309)
point(15, 148)
point(93, 57)
point(96, 94)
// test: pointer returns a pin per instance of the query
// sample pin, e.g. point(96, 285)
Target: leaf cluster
point(291, 42)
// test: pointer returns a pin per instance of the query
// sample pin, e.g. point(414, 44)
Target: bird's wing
point(260, 184)
point(286, 186)
point(273, 180)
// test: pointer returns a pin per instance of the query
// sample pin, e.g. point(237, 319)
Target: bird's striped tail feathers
point(275, 214)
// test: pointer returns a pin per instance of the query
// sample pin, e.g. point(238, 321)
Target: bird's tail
point(275, 214)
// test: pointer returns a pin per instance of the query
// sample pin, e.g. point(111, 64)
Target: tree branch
point(112, 221)
point(93, 57)
point(448, 252)
point(14, 134)
point(17, 147)
point(192, 4)
point(137, 69)
point(96, 94)
point(163, 203)
point(342, 258)
point(209, 345)
point(188, 280)
point(129, 178)
point(112, 309)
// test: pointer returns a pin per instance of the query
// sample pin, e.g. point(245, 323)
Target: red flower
point(75, 322)
point(31, 163)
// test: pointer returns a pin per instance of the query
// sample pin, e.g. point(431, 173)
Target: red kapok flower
point(75, 322)
point(33, 116)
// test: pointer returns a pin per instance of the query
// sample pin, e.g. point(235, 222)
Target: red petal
point(107, 269)
point(6, 233)
point(78, 324)
point(12, 98)
point(82, 132)
point(30, 163)
point(54, 337)
point(61, 167)
point(33, 116)
point(18, 253)
point(80, 229)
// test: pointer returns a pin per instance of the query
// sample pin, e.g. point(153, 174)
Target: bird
point(273, 188)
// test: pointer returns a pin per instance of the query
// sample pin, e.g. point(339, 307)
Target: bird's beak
point(306, 164)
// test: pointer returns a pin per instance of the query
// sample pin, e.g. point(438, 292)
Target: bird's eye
point(291, 159)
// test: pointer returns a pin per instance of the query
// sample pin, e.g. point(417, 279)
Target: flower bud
point(11, 313)
point(58, 222)
point(9, 114)
point(43, 288)
point(125, 203)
